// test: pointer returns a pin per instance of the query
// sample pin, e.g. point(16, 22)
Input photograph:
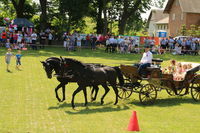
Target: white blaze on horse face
point(48, 64)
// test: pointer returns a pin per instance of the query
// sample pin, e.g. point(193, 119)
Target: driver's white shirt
point(147, 57)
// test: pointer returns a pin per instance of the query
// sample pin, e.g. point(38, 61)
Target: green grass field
point(28, 102)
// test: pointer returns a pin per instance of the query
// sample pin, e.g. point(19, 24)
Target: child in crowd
point(8, 44)
point(8, 56)
point(18, 59)
point(21, 45)
point(154, 50)
point(122, 48)
point(137, 49)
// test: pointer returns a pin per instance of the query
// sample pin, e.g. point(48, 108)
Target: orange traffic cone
point(133, 124)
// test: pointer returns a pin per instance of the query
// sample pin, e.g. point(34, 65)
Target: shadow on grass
point(89, 109)
point(168, 102)
point(64, 105)
point(103, 109)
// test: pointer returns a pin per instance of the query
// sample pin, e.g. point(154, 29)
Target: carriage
point(156, 81)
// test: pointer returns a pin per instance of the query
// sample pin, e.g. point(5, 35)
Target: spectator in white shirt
point(33, 40)
point(50, 38)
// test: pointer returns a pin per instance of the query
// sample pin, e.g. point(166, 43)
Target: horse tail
point(120, 76)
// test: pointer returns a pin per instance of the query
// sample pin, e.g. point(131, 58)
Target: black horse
point(92, 76)
point(53, 64)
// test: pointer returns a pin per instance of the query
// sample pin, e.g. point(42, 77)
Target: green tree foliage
point(68, 15)
point(192, 30)
point(19, 7)
point(132, 9)
point(183, 30)
point(73, 11)
point(124, 12)
point(6, 11)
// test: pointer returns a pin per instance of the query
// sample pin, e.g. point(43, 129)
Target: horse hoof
point(92, 99)
point(102, 102)
point(115, 103)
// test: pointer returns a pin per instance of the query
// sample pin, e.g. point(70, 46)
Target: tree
point(19, 7)
point(183, 30)
point(192, 30)
point(43, 16)
point(130, 8)
point(73, 11)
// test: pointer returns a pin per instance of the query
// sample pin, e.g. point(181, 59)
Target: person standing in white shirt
point(145, 61)
point(50, 38)
point(33, 41)
point(78, 43)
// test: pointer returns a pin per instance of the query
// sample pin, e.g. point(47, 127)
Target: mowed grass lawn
point(28, 102)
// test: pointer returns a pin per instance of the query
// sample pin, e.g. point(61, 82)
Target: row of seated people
point(177, 69)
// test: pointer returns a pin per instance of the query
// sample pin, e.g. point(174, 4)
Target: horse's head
point(48, 68)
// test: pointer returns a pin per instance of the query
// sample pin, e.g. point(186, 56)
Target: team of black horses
point(85, 75)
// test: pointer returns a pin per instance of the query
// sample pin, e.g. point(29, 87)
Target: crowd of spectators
point(180, 46)
point(22, 39)
point(120, 44)
point(124, 44)
point(112, 43)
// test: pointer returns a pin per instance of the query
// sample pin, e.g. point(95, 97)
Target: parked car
point(181, 37)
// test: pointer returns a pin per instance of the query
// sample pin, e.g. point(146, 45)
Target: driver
point(145, 61)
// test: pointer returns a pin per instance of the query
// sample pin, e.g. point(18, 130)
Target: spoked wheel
point(195, 90)
point(170, 92)
point(125, 92)
point(180, 92)
point(148, 94)
point(183, 91)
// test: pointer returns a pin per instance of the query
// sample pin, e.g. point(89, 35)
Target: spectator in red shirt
point(87, 40)
point(4, 36)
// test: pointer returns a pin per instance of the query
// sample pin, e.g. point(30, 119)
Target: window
point(173, 16)
point(182, 16)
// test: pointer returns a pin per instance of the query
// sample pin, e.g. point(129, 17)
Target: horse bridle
point(48, 64)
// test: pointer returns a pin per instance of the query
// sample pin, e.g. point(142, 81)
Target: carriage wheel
point(170, 92)
point(125, 92)
point(195, 90)
point(148, 94)
point(180, 92)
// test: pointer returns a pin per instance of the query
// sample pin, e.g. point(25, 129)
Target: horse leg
point(116, 93)
point(56, 91)
point(63, 90)
point(85, 95)
point(96, 89)
point(106, 91)
point(73, 95)
point(91, 95)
